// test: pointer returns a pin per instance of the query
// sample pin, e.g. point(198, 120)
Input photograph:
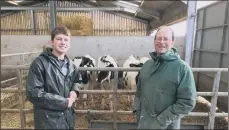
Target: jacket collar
point(168, 56)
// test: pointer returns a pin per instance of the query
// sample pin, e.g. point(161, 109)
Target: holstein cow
point(142, 61)
point(86, 61)
point(131, 78)
point(106, 78)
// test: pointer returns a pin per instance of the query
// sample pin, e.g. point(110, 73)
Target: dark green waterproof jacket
point(165, 92)
point(48, 89)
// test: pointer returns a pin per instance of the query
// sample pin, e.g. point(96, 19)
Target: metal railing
point(22, 56)
point(211, 115)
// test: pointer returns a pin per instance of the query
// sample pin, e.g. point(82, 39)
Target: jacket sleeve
point(36, 93)
point(186, 99)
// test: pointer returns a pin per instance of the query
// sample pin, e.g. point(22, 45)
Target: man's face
point(163, 41)
point(61, 43)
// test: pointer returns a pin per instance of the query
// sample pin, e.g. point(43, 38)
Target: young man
point(53, 84)
point(166, 89)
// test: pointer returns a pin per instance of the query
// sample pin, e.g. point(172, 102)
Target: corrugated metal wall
point(211, 45)
point(104, 24)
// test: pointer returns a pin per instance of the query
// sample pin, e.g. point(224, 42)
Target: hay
point(9, 100)
point(78, 25)
point(123, 104)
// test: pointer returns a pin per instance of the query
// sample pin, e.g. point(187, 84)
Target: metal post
point(223, 43)
point(201, 45)
point(115, 99)
point(148, 29)
point(89, 119)
point(215, 89)
point(190, 25)
point(23, 59)
point(21, 99)
point(52, 10)
point(33, 22)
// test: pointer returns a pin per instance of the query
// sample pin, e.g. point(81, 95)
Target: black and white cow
point(131, 78)
point(107, 61)
point(142, 62)
point(88, 77)
point(106, 78)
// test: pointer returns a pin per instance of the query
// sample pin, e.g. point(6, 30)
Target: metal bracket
point(193, 15)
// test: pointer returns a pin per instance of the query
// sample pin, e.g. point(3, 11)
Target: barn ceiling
point(155, 13)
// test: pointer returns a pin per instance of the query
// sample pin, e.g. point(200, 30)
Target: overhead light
point(128, 3)
point(185, 1)
point(93, 1)
point(15, 2)
point(129, 10)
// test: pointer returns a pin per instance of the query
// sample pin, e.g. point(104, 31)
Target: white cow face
point(105, 61)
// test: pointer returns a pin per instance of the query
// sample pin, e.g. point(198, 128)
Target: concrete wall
point(120, 47)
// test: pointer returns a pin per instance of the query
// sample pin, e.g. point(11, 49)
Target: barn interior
point(106, 27)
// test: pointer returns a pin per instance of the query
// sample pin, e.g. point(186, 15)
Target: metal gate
point(211, 115)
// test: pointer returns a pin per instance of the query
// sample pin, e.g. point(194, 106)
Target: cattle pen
point(120, 29)
point(211, 115)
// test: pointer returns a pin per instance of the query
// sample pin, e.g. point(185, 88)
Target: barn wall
point(104, 24)
point(93, 45)
point(120, 47)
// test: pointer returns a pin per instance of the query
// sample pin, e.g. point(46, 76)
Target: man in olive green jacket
point(166, 89)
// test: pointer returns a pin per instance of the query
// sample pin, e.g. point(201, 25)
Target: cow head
point(82, 61)
point(105, 61)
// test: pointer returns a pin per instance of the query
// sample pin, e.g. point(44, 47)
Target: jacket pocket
point(169, 87)
point(54, 120)
point(71, 116)
point(164, 100)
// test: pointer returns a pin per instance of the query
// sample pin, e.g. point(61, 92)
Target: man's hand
point(72, 98)
point(70, 102)
point(73, 95)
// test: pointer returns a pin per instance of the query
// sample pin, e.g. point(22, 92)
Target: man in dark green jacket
point(166, 89)
point(53, 84)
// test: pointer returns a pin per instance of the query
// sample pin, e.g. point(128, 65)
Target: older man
point(166, 89)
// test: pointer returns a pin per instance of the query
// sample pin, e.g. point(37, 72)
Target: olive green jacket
point(165, 92)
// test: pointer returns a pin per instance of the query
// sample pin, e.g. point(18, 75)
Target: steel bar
point(52, 11)
point(214, 100)
point(224, 52)
point(119, 68)
point(120, 92)
point(61, 8)
point(111, 112)
point(212, 27)
point(30, 128)
point(223, 43)
point(115, 100)
point(21, 29)
point(21, 100)
point(190, 25)
point(14, 78)
point(17, 54)
point(201, 43)
point(33, 23)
